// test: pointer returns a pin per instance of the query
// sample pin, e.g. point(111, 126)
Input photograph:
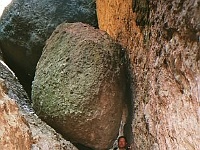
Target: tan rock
point(14, 130)
point(165, 61)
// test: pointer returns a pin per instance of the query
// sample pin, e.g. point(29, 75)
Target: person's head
point(122, 142)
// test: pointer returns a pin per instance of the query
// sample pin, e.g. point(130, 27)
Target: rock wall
point(14, 132)
point(162, 42)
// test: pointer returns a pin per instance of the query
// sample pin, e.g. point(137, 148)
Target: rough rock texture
point(14, 132)
point(25, 26)
point(79, 85)
point(162, 42)
point(20, 128)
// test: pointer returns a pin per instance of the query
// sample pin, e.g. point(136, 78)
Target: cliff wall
point(162, 44)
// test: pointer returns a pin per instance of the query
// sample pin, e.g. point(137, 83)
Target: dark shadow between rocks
point(129, 98)
point(20, 67)
point(82, 147)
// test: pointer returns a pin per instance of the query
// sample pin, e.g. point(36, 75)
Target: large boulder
point(79, 85)
point(20, 127)
point(25, 26)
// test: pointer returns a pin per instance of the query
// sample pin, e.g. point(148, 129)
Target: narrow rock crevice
point(129, 99)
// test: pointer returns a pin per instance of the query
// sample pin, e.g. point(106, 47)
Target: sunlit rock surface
point(14, 132)
point(162, 42)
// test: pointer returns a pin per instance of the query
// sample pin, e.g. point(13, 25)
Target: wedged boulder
point(25, 26)
point(79, 85)
point(20, 128)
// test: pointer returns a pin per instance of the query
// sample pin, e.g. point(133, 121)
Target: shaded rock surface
point(26, 25)
point(163, 50)
point(79, 85)
point(20, 128)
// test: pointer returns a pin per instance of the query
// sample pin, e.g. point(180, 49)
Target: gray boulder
point(79, 85)
point(25, 26)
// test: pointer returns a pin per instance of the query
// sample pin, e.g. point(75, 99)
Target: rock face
point(14, 132)
point(79, 85)
point(162, 42)
point(20, 128)
point(26, 25)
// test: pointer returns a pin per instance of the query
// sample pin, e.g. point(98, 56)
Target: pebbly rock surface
point(79, 85)
point(20, 127)
point(162, 42)
point(26, 25)
point(14, 132)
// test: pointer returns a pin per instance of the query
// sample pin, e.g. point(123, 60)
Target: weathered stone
point(20, 128)
point(14, 132)
point(165, 62)
point(25, 26)
point(79, 85)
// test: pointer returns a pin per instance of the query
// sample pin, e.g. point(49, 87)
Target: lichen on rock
point(20, 127)
point(79, 85)
point(25, 26)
